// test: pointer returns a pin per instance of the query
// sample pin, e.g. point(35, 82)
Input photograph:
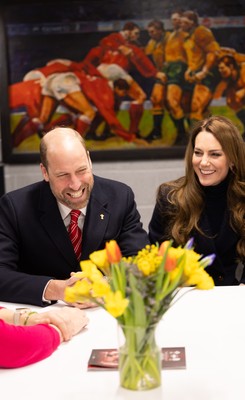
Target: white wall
point(143, 176)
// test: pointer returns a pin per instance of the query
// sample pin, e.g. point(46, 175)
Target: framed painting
point(131, 77)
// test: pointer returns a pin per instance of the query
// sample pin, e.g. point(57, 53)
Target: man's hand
point(56, 291)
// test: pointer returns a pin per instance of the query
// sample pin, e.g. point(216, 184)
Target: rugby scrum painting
point(132, 77)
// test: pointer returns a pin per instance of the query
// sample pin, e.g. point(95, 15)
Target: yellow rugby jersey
point(174, 50)
point(157, 50)
point(198, 44)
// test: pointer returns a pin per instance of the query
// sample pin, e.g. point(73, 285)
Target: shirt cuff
point(43, 298)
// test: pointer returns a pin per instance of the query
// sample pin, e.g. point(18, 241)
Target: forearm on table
point(27, 318)
point(26, 345)
point(14, 317)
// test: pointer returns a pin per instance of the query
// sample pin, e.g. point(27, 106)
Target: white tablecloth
point(209, 324)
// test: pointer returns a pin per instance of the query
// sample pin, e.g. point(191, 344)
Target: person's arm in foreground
point(38, 335)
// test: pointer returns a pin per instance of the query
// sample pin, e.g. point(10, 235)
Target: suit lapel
point(96, 221)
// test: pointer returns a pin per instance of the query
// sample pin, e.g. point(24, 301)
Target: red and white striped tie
point(75, 233)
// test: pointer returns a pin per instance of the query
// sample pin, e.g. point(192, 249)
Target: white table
point(209, 324)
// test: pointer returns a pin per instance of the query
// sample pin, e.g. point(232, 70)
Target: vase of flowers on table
point(137, 291)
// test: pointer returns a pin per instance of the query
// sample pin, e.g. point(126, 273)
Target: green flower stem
point(139, 359)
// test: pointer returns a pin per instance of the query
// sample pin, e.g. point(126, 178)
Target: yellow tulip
point(170, 264)
point(163, 247)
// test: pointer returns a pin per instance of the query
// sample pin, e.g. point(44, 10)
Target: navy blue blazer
point(34, 243)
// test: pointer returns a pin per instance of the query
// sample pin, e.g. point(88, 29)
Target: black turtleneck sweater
point(216, 204)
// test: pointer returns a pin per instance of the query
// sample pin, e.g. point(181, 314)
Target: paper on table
point(107, 359)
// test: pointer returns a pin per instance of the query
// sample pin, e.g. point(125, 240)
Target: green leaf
point(138, 305)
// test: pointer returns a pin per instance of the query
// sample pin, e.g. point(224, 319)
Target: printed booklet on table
point(107, 359)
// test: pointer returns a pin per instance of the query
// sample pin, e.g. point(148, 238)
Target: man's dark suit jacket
point(34, 243)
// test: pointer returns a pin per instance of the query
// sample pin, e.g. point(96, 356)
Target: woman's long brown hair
point(185, 194)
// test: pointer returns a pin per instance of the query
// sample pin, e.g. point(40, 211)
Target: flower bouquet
point(137, 291)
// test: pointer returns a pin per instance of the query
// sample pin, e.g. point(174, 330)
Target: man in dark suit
point(36, 253)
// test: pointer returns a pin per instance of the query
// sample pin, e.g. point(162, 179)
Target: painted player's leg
point(77, 102)
point(63, 120)
point(135, 112)
point(157, 99)
point(174, 96)
point(28, 128)
point(202, 97)
point(136, 108)
point(82, 125)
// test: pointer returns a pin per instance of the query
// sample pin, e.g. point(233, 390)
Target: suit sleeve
point(15, 285)
point(24, 345)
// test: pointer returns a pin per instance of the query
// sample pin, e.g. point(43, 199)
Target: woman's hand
point(68, 320)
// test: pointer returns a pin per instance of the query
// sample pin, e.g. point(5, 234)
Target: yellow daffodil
point(100, 288)
point(148, 260)
point(115, 304)
point(101, 260)
point(90, 270)
point(200, 279)
point(78, 292)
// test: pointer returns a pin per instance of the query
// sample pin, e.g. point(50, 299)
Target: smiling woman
point(208, 203)
point(210, 163)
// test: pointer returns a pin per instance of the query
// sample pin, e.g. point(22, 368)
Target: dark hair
point(130, 26)
point(157, 24)
point(121, 84)
point(228, 60)
point(192, 16)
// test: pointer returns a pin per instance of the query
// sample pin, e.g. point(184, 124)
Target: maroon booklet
point(107, 359)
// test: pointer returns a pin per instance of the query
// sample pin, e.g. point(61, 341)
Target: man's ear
point(89, 160)
point(44, 172)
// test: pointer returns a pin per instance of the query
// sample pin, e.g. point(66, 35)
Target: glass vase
point(139, 358)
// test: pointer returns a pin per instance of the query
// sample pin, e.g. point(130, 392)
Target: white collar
point(65, 211)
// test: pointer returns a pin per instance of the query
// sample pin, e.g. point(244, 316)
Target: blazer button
point(221, 278)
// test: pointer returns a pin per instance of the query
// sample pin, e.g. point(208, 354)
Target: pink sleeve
point(24, 345)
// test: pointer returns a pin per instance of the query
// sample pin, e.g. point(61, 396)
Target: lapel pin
point(101, 216)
